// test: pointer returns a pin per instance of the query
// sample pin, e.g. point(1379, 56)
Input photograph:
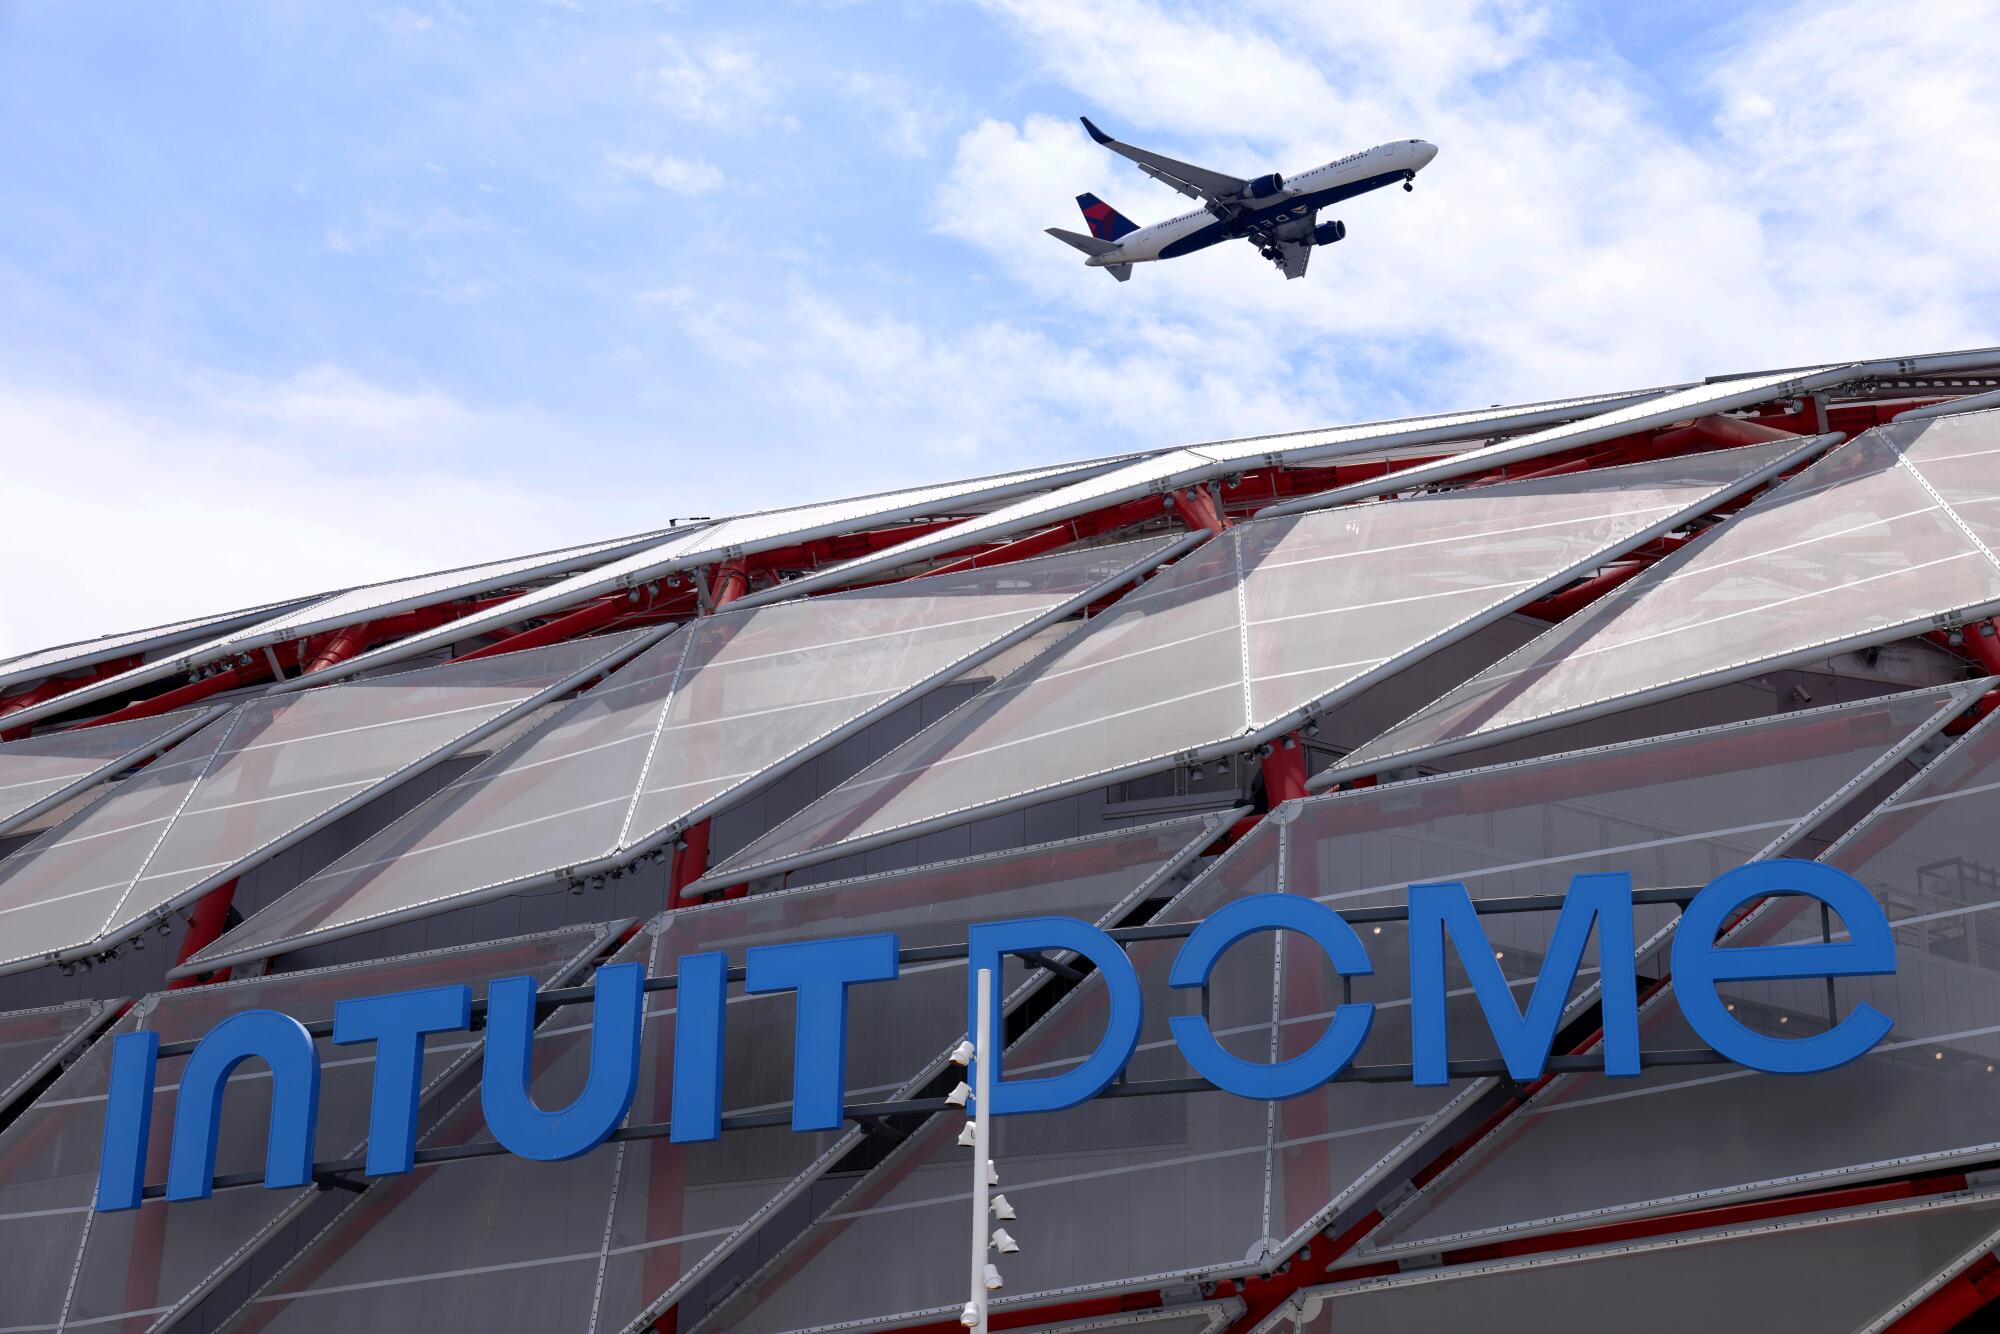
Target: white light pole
point(974, 1316)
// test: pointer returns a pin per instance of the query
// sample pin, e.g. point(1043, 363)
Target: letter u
point(283, 1043)
point(616, 1021)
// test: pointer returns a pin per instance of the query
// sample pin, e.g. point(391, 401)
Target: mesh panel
point(1929, 1090)
point(1128, 1189)
point(71, 1268)
point(1269, 618)
point(725, 701)
point(631, 1225)
point(1852, 1272)
point(222, 800)
point(36, 772)
point(1857, 547)
point(29, 1039)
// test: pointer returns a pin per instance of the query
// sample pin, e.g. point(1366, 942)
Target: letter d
point(987, 942)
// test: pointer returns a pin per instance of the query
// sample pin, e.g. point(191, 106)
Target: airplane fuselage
point(1285, 215)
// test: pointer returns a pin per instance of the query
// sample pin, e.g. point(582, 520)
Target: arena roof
point(1665, 631)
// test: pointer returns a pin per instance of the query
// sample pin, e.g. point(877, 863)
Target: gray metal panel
point(341, 609)
point(726, 539)
point(1269, 624)
point(1194, 464)
point(40, 773)
point(1928, 1095)
point(1952, 407)
point(1861, 548)
point(629, 1228)
point(1648, 414)
point(265, 776)
point(1855, 1271)
point(71, 1268)
point(33, 1041)
point(1121, 1195)
point(595, 786)
point(40, 663)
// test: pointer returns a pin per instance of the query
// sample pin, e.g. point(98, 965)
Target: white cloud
point(677, 175)
point(906, 120)
point(717, 83)
point(1567, 237)
point(253, 491)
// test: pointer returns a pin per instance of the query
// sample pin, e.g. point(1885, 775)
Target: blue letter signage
point(820, 972)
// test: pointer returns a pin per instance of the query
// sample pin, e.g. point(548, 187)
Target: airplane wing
point(1192, 181)
point(1291, 256)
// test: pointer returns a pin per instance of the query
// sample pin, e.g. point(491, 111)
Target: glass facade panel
point(1844, 1274)
point(1143, 1188)
point(250, 782)
point(31, 1039)
point(725, 702)
point(1928, 1092)
point(1854, 549)
point(69, 1268)
point(631, 1226)
point(1268, 619)
point(39, 772)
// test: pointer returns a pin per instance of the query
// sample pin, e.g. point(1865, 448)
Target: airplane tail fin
point(1106, 222)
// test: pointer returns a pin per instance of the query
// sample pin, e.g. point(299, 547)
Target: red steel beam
point(1967, 1294)
point(1197, 508)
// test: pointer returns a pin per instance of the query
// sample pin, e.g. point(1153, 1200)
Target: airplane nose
point(1425, 152)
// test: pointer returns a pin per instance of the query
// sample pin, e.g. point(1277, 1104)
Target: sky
point(299, 296)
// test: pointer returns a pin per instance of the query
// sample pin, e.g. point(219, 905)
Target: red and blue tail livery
point(1106, 223)
point(1279, 215)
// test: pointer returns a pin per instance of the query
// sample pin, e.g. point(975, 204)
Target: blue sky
point(304, 295)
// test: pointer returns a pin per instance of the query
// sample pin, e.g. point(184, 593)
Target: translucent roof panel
point(39, 773)
point(1160, 473)
point(1928, 1092)
point(348, 608)
point(726, 703)
point(1269, 622)
point(69, 1268)
point(624, 1231)
point(41, 663)
point(1210, 1183)
point(1831, 1274)
point(1957, 457)
point(1858, 549)
point(32, 1041)
point(255, 781)
point(710, 543)
point(1646, 414)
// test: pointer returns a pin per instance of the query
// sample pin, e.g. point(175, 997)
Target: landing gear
point(1409, 180)
point(1269, 252)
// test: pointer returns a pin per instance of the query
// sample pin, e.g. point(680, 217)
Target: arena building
point(1660, 634)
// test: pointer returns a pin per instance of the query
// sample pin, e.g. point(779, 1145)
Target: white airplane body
point(1277, 214)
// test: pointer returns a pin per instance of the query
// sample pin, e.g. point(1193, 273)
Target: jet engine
point(1264, 186)
point(1329, 232)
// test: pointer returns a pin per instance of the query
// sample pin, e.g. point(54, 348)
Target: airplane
point(1277, 214)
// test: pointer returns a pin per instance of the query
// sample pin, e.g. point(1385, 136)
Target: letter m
point(1523, 1036)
